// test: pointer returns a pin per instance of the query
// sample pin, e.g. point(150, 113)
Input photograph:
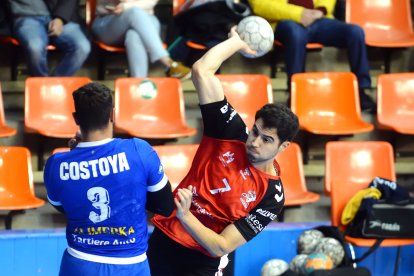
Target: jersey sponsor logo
point(248, 197)
point(254, 223)
point(92, 241)
point(266, 214)
point(245, 173)
point(160, 169)
point(279, 197)
point(106, 230)
point(224, 108)
point(227, 158)
point(232, 114)
point(94, 168)
point(199, 209)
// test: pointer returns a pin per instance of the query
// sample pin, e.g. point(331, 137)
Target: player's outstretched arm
point(216, 244)
point(208, 86)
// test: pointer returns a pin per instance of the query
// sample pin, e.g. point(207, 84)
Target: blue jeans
point(138, 31)
point(32, 33)
point(329, 32)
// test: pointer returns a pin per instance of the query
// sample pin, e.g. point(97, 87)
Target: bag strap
point(369, 251)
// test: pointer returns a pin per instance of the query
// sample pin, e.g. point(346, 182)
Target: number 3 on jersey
point(100, 199)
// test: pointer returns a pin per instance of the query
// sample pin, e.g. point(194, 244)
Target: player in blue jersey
point(104, 186)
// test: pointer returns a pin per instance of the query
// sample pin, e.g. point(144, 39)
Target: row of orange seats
point(327, 103)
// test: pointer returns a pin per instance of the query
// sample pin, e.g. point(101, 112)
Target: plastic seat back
point(16, 180)
point(176, 160)
point(395, 98)
point(151, 108)
point(328, 103)
point(5, 129)
point(386, 23)
point(247, 93)
point(350, 166)
point(293, 177)
point(48, 105)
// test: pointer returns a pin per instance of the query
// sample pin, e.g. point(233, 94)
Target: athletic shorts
point(168, 258)
point(71, 266)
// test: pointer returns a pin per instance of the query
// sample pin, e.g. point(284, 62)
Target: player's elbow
point(220, 250)
point(200, 68)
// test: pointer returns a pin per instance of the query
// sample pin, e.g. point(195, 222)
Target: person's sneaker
point(367, 104)
point(179, 71)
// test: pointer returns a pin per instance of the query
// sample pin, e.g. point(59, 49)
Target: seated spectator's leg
point(31, 31)
point(294, 38)
point(137, 55)
point(148, 28)
point(335, 33)
point(75, 47)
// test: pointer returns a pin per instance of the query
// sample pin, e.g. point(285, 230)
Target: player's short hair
point(93, 106)
point(280, 117)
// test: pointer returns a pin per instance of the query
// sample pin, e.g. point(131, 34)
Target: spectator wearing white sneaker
point(132, 23)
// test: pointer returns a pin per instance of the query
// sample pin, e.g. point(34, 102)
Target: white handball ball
point(274, 267)
point(257, 33)
point(332, 248)
point(308, 241)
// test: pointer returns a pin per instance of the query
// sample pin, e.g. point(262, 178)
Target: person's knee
point(83, 48)
point(355, 32)
point(134, 13)
point(36, 48)
point(291, 31)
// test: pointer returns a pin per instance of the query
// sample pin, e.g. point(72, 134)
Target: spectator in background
point(299, 22)
point(132, 23)
point(37, 23)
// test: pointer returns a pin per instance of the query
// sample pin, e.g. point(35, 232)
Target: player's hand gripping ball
point(257, 33)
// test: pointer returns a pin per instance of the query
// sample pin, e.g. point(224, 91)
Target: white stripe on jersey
point(159, 185)
point(106, 260)
point(55, 203)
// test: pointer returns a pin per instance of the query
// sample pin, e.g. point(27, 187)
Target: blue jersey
point(102, 188)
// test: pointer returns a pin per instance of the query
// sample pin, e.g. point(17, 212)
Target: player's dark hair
point(281, 118)
point(93, 106)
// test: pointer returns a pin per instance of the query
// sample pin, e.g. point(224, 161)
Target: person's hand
point(118, 9)
point(183, 201)
point(245, 47)
point(309, 16)
point(73, 142)
point(55, 27)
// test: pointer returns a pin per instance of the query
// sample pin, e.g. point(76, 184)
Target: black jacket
point(67, 10)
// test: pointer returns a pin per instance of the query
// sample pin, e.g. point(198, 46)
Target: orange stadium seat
point(48, 107)
point(16, 182)
point(387, 24)
point(247, 93)
point(351, 166)
point(5, 130)
point(176, 160)
point(151, 108)
point(293, 177)
point(327, 103)
point(395, 98)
